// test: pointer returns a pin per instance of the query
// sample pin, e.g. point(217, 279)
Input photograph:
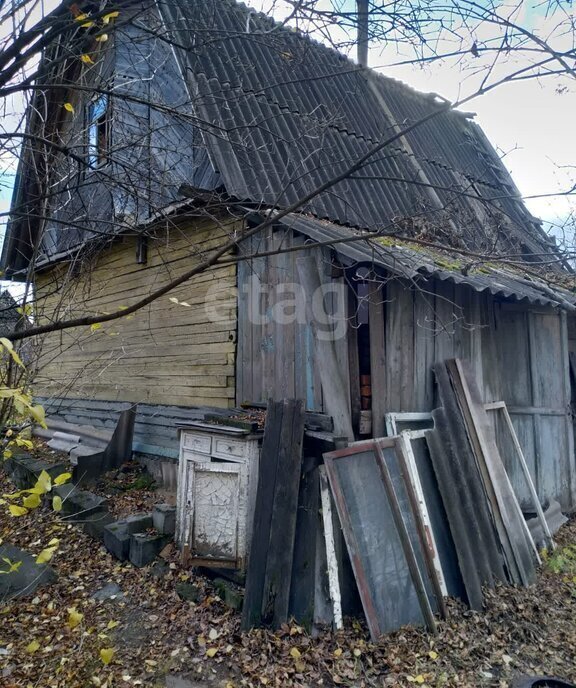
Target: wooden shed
point(409, 253)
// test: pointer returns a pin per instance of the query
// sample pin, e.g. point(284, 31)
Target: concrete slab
point(26, 579)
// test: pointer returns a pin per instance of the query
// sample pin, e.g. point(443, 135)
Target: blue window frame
point(98, 131)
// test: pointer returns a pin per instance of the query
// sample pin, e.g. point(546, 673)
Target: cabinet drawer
point(197, 457)
point(197, 442)
point(229, 449)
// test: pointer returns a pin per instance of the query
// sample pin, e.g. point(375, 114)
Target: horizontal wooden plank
point(165, 353)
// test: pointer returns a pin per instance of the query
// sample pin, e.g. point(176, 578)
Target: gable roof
point(288, 114)
point(283, 114)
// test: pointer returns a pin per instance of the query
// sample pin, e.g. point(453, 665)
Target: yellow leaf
point(111, 15)
point(106, 654)
point(57, 503)
point(22, 442)
point(84, 20)
point(338, 652)
point(12, 565)
point(44, 482)
point(38, 414)
point(16, 510)
point(102, 38)
point(74, 618)
point(419, 678)
point(62, 478)
point(357, 652)
point(112, 624)
point(295, 652)
point(31, 501)
point(7, 454)
point(211, 651)
point(69, 107)
point(54, 542)
point(86, 59)
point(7, 344)
point(32, 647)
point(45, 555)
point(95, 326)
point(433, 655)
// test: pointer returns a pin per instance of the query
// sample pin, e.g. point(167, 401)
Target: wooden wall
point(519, 354)
point(164, 354)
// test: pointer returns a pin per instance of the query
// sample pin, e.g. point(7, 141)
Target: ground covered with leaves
point(65, 638)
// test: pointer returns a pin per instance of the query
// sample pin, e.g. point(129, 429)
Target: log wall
point(166, 353)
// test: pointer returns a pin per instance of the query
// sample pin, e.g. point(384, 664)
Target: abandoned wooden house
point(346, 302)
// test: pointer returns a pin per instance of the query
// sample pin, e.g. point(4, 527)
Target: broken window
point(98, 131)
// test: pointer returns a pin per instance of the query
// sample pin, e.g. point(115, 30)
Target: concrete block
point(138, 523)
point(117, 535)
point(95, 523)
point(78, 504)
point(145, 548)
point(117, 540)
point(25, 469)
point(230, 594)
point(164, 519)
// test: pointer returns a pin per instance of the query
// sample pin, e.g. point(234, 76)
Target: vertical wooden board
point(554, 479)
point(514, 357)
point(445, 319)
point(301, 604)
point(261, 528)
point(244, 353)
point(302, 388)
point(489, 344)
point(505, 508)
point(399, 330)
point(283, 324)
point(570, 463)
point(276, 588)
point(549, 365)
point(378, 355)
point(271, 339)
point(353, 359)
point(258, 304)
point(475, 325)
point(424, 346)
point(337, 305)
point(334, 390)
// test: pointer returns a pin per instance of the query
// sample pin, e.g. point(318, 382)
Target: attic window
point(98, 132)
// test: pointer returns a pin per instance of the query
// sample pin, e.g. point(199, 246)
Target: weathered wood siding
point(165, 353)
point(519, 354)
point(276, 346)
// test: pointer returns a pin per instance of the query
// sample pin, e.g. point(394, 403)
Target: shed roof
point(403, 259)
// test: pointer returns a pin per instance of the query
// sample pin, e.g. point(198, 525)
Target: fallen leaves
point(149, 631)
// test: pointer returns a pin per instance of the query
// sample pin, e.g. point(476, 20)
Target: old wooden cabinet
point(217, 480)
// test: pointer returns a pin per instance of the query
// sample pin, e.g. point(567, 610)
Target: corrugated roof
point(290, 114)
point(417, 263)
